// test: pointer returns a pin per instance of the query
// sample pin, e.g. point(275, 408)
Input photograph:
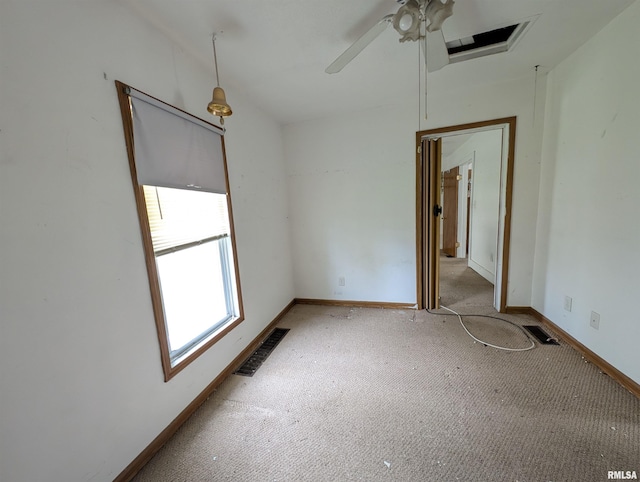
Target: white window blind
point(179, 218)
point(175, 149)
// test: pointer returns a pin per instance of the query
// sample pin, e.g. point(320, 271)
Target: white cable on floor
point(533, 345)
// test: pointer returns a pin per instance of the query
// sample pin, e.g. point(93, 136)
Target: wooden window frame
point(156, 295)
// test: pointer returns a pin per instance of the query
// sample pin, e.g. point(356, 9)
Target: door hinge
point(458, 244)
point(458, 177)
point(419, 149)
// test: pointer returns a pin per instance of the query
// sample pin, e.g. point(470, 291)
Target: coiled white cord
point(533, 345)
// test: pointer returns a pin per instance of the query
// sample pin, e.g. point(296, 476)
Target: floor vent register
point(257, 358)
point(541, 335)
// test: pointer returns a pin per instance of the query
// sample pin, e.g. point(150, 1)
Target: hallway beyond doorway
point(462, 286)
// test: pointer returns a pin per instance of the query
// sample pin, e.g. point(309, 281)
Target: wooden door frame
point(423, 180)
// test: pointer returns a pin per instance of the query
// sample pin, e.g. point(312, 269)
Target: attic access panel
point(483, 39)
point(491, 42)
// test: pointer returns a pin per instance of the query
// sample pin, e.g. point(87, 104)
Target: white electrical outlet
point(595, 320)
point(341, 281)
point(567, 303)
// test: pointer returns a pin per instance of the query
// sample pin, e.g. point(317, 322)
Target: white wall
point(589, 228)
point(463, 194)
point(352, 193)
point(82, 386)
point(485, 201)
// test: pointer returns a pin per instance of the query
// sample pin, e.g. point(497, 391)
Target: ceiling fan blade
point(435, 51)
point(359, 45)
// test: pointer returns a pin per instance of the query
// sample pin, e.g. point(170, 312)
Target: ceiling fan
point(414, 20)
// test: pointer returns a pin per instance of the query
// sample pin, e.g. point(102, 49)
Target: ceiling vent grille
point(487, 43)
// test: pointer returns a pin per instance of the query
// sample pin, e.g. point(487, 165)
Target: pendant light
point(218, 105)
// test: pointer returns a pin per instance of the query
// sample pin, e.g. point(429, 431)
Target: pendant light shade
point(218, 105)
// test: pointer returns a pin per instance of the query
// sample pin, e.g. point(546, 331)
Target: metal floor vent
point(257, 358)
point(541, 335)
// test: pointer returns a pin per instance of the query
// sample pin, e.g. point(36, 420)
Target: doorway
point(476, 197)
point(450, 192)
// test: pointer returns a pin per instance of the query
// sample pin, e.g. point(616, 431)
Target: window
point(179, 175)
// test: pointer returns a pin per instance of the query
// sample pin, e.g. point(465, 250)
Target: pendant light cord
point(215, 58)
point(535, 93)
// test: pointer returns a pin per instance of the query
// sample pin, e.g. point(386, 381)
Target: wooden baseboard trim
point(590, 356)
point(518, 310)
point(141, 460)
point(356, 304)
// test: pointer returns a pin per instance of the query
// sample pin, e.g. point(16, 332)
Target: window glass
point(190, 236)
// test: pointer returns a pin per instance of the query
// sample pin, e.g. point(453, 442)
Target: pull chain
point(535, 93)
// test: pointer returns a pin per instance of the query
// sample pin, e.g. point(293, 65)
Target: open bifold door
point(431, 171)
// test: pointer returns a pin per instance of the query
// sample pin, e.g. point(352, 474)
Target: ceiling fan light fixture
point(406, 21)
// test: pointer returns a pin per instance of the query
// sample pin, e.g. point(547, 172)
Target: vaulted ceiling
point(276, 51)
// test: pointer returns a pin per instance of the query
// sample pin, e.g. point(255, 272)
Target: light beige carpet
point(400, 395)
